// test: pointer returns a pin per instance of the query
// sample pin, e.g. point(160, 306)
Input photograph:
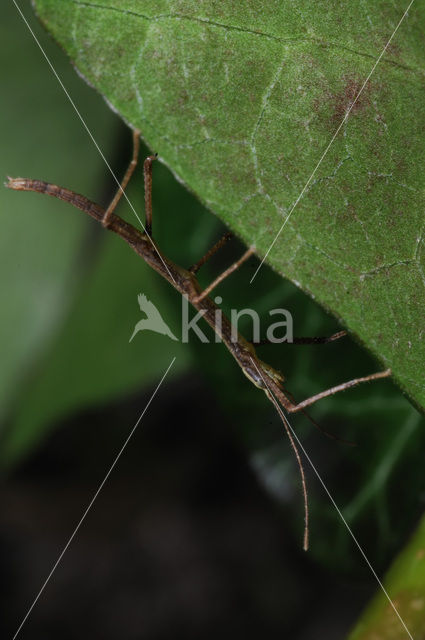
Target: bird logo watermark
point(277, 332)
point(153, 320)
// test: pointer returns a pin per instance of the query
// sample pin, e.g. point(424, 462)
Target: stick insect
point(185, 281)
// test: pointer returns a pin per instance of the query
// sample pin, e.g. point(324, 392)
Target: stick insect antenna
point(300, 465)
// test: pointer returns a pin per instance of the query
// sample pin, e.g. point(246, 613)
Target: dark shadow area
point(181, 543)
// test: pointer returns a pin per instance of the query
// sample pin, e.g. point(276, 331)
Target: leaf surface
point(241, 100)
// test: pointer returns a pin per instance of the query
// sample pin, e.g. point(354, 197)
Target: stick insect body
point(185, 281)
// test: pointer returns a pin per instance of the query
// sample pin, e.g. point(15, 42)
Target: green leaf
point(69, 291)
point(405, 583)
point(242, 99)
point(40, 273)
point(91, 361)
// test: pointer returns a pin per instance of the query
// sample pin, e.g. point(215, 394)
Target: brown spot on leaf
point(335, 106)
point(345, 99)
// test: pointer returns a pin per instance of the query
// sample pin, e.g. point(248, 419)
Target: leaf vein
point(228, 27)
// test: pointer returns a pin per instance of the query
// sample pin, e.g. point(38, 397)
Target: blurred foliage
point(405, 583)
point(69, 291)
point(378, 483)
point(71, 306)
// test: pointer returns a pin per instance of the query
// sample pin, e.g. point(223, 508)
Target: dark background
point(198, 531)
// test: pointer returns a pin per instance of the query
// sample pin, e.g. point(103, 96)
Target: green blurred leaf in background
point(69, 293)
point(406, 583)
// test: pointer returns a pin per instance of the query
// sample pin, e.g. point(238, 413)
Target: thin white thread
point(330, 143)
point(91, 502)
point(89, 132)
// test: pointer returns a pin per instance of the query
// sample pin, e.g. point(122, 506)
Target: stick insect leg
point(195, 267)
point(130, 170)
point(319, 339)
point(147, 172)
point(313, 340)
point(225, 273)
point(340, 387)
